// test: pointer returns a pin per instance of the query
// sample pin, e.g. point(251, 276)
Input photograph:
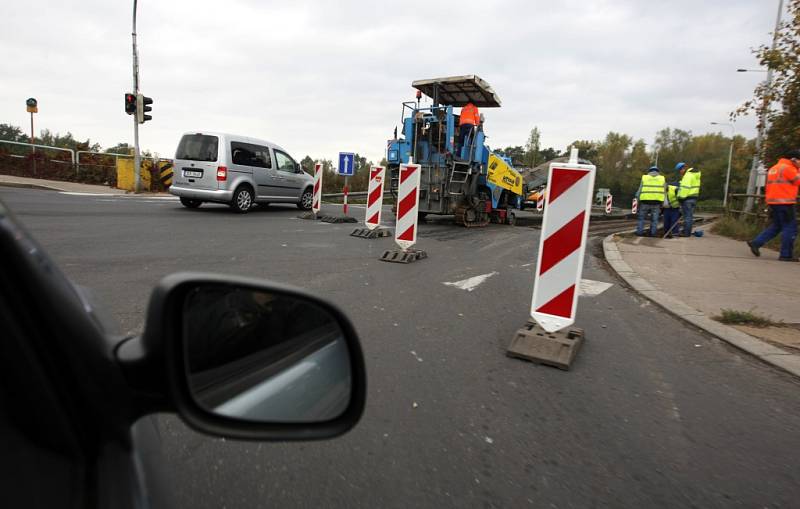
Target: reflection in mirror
point(264, 357)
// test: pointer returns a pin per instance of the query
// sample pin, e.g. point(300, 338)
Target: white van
point(238, 171)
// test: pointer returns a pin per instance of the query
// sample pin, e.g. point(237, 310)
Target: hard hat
point(679, 166)
point(653, 168)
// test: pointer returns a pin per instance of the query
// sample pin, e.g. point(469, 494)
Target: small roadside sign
point(347, 162)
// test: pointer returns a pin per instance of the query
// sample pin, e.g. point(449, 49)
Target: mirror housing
point(163, 343)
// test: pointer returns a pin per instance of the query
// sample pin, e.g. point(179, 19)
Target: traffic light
point(142, 108)
point(130, 104)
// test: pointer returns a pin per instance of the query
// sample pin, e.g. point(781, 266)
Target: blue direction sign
point(347, 162)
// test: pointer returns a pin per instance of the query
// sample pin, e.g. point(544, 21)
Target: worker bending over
point(672, 211)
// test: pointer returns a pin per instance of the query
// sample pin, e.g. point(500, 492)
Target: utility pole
point(730, 157)
point(762, 121)
point(137, 161)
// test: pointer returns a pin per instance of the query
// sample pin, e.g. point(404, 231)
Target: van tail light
point(222, 173)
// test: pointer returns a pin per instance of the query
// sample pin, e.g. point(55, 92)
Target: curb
point(29, 186)
point(764, 351)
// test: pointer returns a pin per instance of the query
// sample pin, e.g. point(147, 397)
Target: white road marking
point(589, 288)
point(470, 284)
point(71, 193)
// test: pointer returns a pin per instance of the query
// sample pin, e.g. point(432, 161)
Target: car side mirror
point(254, 360)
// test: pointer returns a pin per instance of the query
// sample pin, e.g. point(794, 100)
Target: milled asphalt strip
point(770, 354)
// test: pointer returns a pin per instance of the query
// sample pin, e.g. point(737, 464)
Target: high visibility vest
point(672, 197)
point(469, 115)
point(652, 188)
point(782, 183)
point(690, 184)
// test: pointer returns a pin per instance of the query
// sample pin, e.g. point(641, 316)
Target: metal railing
point(739, 205)
point(34, 145)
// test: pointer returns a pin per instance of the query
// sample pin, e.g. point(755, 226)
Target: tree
point(532, 148)
point(308, 165)
point(10, 132)
point(778, 103)
point(120, 148)
point(586, 149)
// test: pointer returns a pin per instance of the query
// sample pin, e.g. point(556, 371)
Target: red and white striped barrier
point(634, 206)
point(405, 234)
point(562, 243)
point(375, 197)
point(540, 200)
point(316, 201)
point(344, 202)
point(609, 201)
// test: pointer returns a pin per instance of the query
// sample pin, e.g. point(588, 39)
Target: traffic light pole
point(137, 161)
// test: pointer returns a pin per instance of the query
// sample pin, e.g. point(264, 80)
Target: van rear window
point(197, 147)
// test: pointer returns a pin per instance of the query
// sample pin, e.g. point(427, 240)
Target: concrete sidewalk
point(67, 187)
point(695, 278)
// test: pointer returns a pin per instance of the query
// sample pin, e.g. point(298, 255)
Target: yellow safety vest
point(652, 188)
point(672, 196)
point(690, 184)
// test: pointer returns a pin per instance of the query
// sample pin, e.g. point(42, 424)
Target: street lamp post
point(730, 157)
point(753, 177)
point(137, 161)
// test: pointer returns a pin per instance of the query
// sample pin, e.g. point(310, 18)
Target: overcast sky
point(322, 77)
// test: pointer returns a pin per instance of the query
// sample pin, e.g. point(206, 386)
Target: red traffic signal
point(130, 104)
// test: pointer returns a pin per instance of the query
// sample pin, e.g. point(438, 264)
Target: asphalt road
point(653, 413)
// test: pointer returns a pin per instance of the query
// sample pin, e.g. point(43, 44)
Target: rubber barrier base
point(558, 349)
point(366, 233)
point(399, 256)
point(338, 219)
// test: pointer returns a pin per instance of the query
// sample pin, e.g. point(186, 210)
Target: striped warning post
point(609, 201)
point(562, 244)
point(540, 201)
point(634, 206)
point(407, 206)
point(316, 201)
point(374, 197)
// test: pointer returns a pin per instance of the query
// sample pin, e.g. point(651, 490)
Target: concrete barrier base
point(400, 256)
point(558, 349)
point(366, 233)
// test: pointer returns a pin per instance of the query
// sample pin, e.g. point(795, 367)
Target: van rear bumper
point(220, 195)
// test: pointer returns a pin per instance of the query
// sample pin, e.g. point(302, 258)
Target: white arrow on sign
point(346, 164)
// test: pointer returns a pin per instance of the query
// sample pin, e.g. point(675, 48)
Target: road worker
point(470, 118)
point(783, 179)
point(651, 194)
point(672, 211)
point(688, 193)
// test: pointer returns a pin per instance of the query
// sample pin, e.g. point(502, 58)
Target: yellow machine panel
point(503, 175)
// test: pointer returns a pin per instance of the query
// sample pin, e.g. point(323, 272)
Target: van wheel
point(242, 200)
point(306, 200)
point(190, 203)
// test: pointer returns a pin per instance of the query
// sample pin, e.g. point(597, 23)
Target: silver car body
point(210, 167)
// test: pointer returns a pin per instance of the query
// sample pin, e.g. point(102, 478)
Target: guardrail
point(759, 210)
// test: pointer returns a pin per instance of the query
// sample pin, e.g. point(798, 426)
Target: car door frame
point(292, 182)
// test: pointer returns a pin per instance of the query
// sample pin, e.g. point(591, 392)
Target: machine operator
point(470, 118)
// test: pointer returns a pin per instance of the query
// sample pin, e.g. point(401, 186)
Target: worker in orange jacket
point(470, 118)
point(783, 180)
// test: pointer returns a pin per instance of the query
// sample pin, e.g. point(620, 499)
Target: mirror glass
point(264, 357)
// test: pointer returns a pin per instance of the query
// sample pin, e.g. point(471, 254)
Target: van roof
point(237, 137)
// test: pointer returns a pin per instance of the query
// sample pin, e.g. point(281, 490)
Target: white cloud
point(320, 77)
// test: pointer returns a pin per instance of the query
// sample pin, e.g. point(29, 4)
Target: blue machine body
point(453, 176)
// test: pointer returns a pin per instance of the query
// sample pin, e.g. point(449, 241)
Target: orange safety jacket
point(469, 115)
point(782, 183)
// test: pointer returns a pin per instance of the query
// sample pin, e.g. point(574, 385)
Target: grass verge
point(744, 230)
point(734, 317)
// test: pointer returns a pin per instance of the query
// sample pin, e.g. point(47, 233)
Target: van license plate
point(191, 173)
